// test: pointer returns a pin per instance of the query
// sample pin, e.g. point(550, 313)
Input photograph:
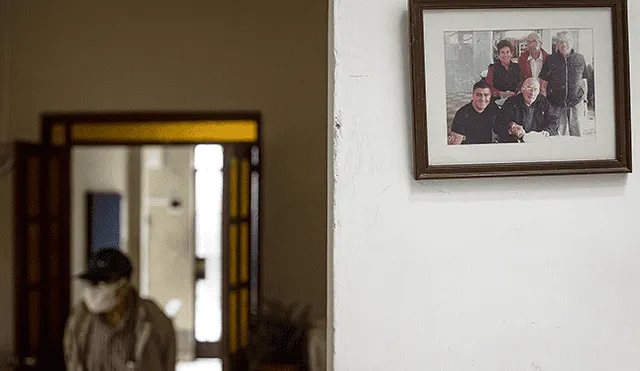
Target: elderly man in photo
point(473, 122)
point(525, 113)
point(531, 60)
point(564, 79)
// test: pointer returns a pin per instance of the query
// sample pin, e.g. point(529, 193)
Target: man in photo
point(525, 113)
point(473, 122)
point(564, 79)
point(532, 59)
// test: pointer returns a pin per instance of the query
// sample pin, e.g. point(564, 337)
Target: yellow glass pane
point(244, 317)
point(233, 254)
point(58, 135)
point(244, 188)
point(166, 131)
point(233, 188)
point(233, 322)
point(33, 194)
point(244, 252)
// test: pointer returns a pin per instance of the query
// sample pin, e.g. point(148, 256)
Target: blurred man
point(564, 79)
point(473, 123)
point(112, 328)
point(525, 113)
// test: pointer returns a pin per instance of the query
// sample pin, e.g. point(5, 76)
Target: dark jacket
point(564, 77)
point(500, 78)
point(536, 117)
point(155, 348)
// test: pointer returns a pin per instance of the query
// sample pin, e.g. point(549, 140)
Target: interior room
point(187, 214)
point(533, 273)
point(196, 57)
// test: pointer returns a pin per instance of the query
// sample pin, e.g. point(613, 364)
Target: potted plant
point(278, 337)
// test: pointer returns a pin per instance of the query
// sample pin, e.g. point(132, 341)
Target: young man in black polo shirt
point(473, 123)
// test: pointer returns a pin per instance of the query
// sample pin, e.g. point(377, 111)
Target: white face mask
point(103, 297)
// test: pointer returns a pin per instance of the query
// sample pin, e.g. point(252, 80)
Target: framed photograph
point(515, 87)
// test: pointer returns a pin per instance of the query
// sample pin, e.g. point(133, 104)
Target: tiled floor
point(200, 365)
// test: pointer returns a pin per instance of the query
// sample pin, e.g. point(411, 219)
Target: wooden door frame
point(66, 130)
point(28, 182)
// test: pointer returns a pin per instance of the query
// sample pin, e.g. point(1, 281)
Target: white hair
point(533, 81)
point(564, 36)
point(534, 35)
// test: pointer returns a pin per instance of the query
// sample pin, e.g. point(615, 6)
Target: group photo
point(519, 86)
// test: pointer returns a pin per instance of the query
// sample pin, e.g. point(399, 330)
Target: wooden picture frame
point(453, 43)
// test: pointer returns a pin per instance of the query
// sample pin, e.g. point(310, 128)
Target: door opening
point(44, 228)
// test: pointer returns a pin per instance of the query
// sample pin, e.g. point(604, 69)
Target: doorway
point(44, 177)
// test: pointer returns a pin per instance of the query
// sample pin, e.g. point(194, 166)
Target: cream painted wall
point(510, 274)
point(190, 55)
point(94, 169)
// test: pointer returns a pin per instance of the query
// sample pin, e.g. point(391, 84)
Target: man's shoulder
point(151, 306)
point(516, 99)
point(79, 309)
point(492, 108)
point(78, 315)
point(577, 56)
point(552, 57)
point(153, 310)
point(523, 57)
point(541, 98)
point(542, 101)
point(466, 109)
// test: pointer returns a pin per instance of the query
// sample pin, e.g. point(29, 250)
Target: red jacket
point(525, 67)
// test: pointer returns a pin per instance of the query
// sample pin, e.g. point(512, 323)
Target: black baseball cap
point(107, 265)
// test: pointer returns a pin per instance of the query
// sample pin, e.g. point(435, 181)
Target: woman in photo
point(503, 75)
